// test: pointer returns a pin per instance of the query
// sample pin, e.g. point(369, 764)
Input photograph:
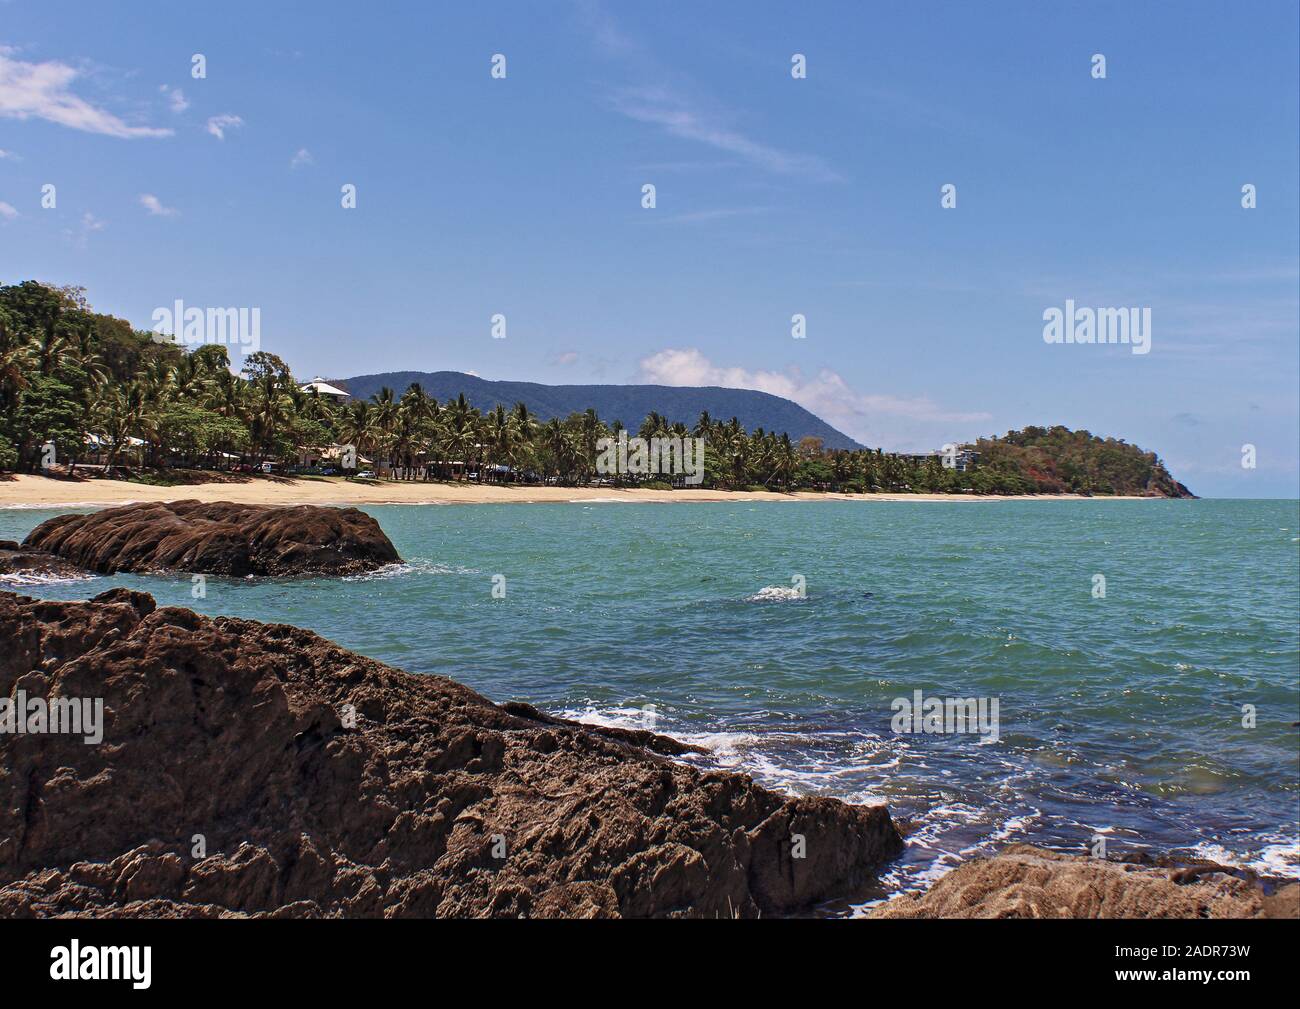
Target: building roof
point(324, 388)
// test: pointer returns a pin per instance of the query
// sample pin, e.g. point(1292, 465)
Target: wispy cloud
point(717, 214)
point(155, 206)
point(826, 394)
point(217, 125)
point(565, 359)
point(303, 157)
point(7, 211)
point(8, 156)
point(176, 99)
point(686, 117)
point(89, 225)
point(43, 91)
point(669, 101)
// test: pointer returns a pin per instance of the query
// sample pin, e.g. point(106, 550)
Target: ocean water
point(1119, 716)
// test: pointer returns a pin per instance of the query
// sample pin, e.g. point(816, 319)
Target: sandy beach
point(30, 491)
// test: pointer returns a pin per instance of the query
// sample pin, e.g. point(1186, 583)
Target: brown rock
point(437, 802)
point(14, 560)
point(1027, 882)
point(219, 538)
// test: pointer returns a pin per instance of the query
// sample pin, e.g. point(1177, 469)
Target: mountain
point(628, 403)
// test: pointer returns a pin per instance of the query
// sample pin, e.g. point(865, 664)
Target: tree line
point(92, 386)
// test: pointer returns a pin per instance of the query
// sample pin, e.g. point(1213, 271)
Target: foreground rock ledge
point(1027, 882)
point(232, 729)
point(220, 538)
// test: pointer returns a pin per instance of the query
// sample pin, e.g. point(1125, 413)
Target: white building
point(325, 389)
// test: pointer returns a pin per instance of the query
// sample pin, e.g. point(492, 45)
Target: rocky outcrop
point(219, 538)
point(258, 769)
point(19, 563)
point(1027, 882)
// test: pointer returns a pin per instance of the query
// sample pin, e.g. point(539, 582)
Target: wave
point(21, 578)
point(1279, 857)
point(417, 567)
point(775, 594)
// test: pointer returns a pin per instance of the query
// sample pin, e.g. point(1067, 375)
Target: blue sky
point(775, 196)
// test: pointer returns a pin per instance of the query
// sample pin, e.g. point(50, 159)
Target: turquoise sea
point(1119, 716)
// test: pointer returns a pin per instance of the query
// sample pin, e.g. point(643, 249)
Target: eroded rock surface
point(19, 563)
point(1027, 882)
point(437, 802)
point(220, 538)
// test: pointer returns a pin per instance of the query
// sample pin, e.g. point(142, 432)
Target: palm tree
point(271, 412)
point(501, 436)
point(357, 427)
point(461, 429)
point(526, 433)
point(384, 422)
point(785, 461)
point(556, 442)
point(17, 360)
point(121, 412)
point(415, 413)
point(653, 426)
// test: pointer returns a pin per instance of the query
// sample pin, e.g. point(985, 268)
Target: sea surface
point(1119, 717)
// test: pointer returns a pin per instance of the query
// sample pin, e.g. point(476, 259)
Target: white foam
point(1281, 857)
point(21, 578)
point(416, 567)
point(774, 593)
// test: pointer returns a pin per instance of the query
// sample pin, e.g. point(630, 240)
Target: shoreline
point(731, 831)
point(31, 491)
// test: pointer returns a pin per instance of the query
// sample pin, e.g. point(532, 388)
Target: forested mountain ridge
point(630, 404)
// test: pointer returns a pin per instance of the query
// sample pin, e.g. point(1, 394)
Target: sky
point(775, 196)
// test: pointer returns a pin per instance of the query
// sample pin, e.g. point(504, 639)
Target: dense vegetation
point(96, 389)
point(1057, 460)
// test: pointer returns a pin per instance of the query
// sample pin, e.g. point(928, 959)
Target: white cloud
point(567, 358)
point(303, 157)
point(175, 98)
point(42, 91)
point(684, 111)
point(9, 155)
point(685, 118)
point(217, 125)
point(7, 211)
point(826, 394)
point(89, 224)
point(155, 206)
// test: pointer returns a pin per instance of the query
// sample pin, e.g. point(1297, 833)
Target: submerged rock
point(220, 538)
point(1027, 882)
point(252, 768)
point(16, 561)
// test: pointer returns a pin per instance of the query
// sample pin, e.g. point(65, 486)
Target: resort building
point(965, 458)
point(319, 385)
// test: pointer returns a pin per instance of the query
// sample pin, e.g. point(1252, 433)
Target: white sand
point(29, 491)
